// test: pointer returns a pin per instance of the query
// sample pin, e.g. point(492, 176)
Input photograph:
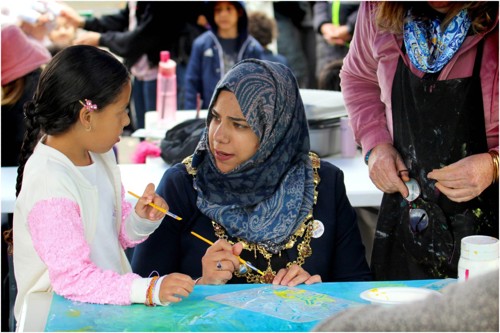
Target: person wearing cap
point(22, 59)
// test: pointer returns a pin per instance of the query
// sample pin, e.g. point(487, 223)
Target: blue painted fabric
point(266, 198)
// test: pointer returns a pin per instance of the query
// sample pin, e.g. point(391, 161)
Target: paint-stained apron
point(436, 123)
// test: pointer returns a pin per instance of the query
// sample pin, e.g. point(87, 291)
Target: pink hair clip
point(88, 105)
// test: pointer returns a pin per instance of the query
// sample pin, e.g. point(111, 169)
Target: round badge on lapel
point(318, 229)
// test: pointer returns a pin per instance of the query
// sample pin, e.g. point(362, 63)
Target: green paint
point(478, 212)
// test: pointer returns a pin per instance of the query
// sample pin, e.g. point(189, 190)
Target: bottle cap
point(164, 56)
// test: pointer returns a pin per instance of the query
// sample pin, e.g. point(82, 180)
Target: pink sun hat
point(20, 54)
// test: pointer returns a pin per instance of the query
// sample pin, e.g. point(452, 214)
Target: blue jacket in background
point(206, 65)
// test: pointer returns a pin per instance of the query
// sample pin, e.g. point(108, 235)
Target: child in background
point(71, 220)
point(217, 50)
point(264, 30)
point(62, 35)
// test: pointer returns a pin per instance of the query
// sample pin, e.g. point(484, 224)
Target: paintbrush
point(246, 263)
point(164, 211)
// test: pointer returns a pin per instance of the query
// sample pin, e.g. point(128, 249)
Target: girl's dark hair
point(74, 74)
point(390, 14)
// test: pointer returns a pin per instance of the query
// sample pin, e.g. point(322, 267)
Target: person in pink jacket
point(420, 83)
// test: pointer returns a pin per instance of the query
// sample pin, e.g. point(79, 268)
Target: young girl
point(71, 220)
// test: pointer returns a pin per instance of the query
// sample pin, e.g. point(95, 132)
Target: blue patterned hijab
point(265, 199)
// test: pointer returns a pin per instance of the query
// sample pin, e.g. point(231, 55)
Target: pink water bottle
point(166, 89)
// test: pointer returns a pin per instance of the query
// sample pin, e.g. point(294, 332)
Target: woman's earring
point(89, 128)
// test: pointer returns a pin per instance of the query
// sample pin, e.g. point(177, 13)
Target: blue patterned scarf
point(429, 48)
point(265, 199)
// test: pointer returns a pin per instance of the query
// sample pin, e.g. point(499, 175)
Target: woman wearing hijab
point(253, 189)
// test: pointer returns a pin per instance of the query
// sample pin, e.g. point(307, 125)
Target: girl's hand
point(219, 262)
point(175, 286)
point(145, 211)
point(387, 170)
point(465, 179)
point(295, 275)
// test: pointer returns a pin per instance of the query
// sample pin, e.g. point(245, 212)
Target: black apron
point(436, 123)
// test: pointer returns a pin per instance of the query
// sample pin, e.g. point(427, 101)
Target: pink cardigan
point(369, 68)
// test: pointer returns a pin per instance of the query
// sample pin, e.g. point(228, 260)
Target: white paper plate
point(396, 295)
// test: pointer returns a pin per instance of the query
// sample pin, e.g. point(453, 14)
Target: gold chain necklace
point(305, 232)
point(303, 249)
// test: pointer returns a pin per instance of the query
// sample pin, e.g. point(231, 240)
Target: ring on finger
point(219, 265)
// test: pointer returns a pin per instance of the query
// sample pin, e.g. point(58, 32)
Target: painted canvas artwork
point(293, 304)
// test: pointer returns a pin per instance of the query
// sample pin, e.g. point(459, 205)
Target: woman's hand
point(465, 179)
point(295, 275)
point(219, 262)
point(387, 169)
point(335, 35)
point(144, 210)
point(174, 287)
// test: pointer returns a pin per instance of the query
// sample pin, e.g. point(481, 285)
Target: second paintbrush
point(246, 263)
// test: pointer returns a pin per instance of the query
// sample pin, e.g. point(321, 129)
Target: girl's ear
point(85, 117)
